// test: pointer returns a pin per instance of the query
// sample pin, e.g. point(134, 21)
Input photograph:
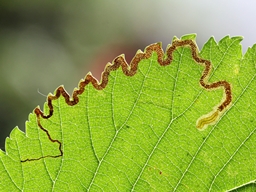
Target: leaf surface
point(156, 124)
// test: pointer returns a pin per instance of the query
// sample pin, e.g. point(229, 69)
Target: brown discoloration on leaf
point(131, 70)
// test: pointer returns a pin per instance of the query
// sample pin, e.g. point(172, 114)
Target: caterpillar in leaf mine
point(213, 116)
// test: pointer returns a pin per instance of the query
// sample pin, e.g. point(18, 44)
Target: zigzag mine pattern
point(131, 70)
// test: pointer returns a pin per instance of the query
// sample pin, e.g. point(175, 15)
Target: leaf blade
point(135, 129)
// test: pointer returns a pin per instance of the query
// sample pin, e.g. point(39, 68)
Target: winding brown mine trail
point(130, 70)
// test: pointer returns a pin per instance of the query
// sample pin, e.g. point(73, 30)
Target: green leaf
point(150, 126)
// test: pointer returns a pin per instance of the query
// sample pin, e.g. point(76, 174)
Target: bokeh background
point(45, 43)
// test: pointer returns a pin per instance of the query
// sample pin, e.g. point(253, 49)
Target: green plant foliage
point(138, 129)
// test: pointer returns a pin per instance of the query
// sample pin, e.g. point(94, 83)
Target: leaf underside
point(181, 120)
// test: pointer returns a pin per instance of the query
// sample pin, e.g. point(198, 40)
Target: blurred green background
point(44, 44)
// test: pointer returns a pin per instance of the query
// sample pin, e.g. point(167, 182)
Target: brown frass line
point(130, 70)
point(38, 114)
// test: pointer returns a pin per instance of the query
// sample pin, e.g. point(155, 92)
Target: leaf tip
point(191, 36)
